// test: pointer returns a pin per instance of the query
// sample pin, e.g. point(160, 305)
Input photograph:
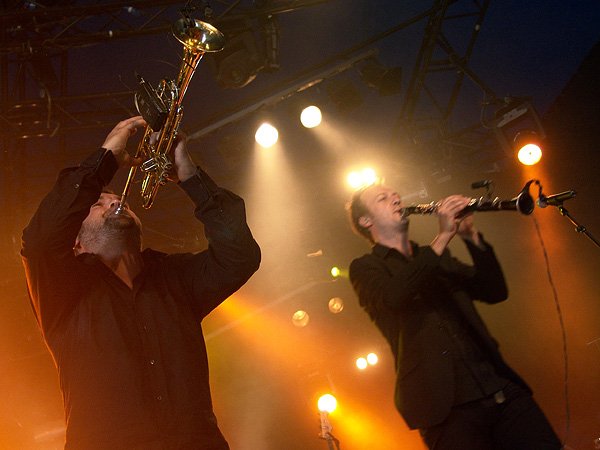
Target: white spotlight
point(311, 116)
point(369, 177)
point(365, 178)
point(355, 180)
point(372, 358)
point(266, 135)
point(300, 318)
point(327, 403)
point(361, 363)
point(336, 305)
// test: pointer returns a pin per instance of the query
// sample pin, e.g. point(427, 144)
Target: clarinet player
point(452, 383)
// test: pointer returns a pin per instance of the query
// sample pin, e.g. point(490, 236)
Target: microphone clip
point(487, 184)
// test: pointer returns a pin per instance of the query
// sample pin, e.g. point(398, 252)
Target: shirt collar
point(383, 251)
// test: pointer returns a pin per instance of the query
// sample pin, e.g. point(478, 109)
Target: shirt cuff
point(200, 187)
point(104, 163)
point(474, 248)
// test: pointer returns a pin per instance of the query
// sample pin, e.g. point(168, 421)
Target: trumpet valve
point(149, 165)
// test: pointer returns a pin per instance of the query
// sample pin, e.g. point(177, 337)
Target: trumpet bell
point(198, 36)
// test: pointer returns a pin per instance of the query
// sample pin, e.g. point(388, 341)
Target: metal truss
point(424, 124)
point(35, 37)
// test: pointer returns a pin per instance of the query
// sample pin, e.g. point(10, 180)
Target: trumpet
point(162, 109)
point(522, 203)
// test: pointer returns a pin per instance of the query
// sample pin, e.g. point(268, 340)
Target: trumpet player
point(452, 384)
point(122, 323)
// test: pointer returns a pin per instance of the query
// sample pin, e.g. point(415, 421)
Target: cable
point(562, 327)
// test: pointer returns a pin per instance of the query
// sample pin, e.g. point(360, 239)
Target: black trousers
point(518, 423)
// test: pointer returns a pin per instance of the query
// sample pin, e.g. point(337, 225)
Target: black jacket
point(407, 300)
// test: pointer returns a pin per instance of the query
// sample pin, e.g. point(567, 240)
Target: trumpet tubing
point(197, 38)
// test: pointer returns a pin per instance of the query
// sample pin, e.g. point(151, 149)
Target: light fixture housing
point(514, 118)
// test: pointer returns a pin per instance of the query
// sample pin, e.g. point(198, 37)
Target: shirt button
point(144, 327)
point(159, 398)
point(151, 361)
point(76, 186)
point(445, 352)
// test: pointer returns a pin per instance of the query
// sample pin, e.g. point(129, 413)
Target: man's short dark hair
point(357, 209)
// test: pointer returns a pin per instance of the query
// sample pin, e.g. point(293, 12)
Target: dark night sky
point(264, 371)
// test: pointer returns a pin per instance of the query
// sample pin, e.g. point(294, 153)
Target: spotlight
point(386, 81)
point(270, 35)
point(368, 176)
point(327, 403)
point(527, 145)
point(310, 116)
point(515, 120)
point(266, 135)
point(335, 271)
point(361, 363)
point(42, 71)
point(240, 61)
point(364, 178)
point(300, 318)
point(336, 305)
point(344, 96)
point(354, 179)
point(372, 358)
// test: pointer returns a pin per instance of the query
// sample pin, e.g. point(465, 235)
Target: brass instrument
point(523, 203)
point(162, 107)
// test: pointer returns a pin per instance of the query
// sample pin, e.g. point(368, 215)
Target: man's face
point(102, 222)
point(384, 206)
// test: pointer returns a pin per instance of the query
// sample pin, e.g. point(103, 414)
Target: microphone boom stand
point(578, 227)
point(559, 198)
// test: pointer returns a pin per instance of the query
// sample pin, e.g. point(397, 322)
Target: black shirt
point(132, 363)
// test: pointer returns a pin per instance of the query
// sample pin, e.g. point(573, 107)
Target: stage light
point(530, 154)
point(364, 178)
point(269, 28)
point(344, 96)
point(266, 135)
point(335, 271)
point(372, 358)
point(527, 145)
point(240, 60)
point(368, 176)
point(336, 305)
point(327, 403)
point(42, 71)
point(386, 81)
point(354, 179)
point(514, 121)
point(361, 363)
point(311, 116)
point(300, 318)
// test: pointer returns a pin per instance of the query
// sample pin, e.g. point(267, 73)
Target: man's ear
point(77, 248)
point(364, 221)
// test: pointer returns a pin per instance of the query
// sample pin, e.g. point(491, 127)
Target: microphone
point(556, 199)
point(480, 184)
